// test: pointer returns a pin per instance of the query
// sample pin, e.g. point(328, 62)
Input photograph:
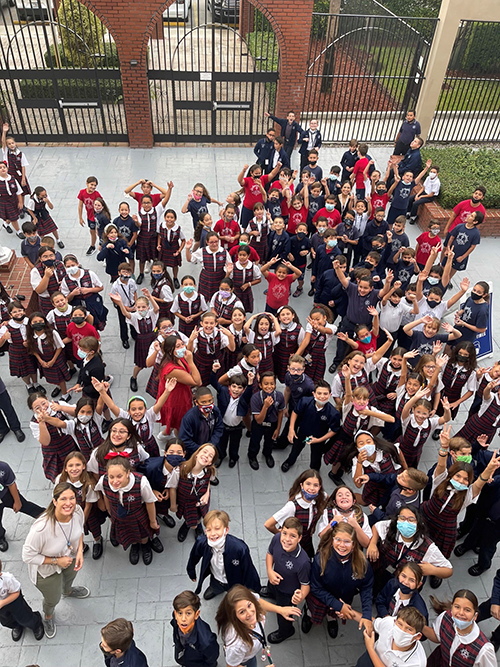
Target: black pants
point(8, 413)
point(258, 432)
point(485, 534)
point(413, 205)
point(27, 507)
point(282, 441)
point(316, 451)
point(483, 614)
point(285, 628)
point(232, 434)
point(218, 586)
point(364, 660)
point(19, 613)
point(123, 321)
point(289, 150)
point(343, 348)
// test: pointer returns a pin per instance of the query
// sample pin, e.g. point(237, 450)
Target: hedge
point(462, 169)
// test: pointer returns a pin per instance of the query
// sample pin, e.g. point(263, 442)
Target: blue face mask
point(309, 496)
point(175, 459)
point(432, 281)
point(407, 529)
point(369, 449)
point(188, 289)
point(458, 486)
point(332, 243)
point(81, 354)
point(461, 625)
point(406, 590)
point(366, 339)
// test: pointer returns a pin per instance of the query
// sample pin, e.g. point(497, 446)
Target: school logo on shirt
point(367, 302)
point(396, 245)
point(130, 499)
point(235, 562)
point(280, 291)
point(404, 193)
point(426, 248)
point(124, 231)
point(467, 314)
point(464, 653)
point(462, 238)
point(297, 217)
point(254, 189)
point(313, 207)
point(289, 565)
point(323, 418)
point(404, 275)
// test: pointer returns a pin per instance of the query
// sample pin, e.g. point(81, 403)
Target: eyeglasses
point(119, 431)
point(346, 543)
point(408, 519)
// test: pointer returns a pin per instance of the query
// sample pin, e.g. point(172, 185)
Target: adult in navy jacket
point(201, 649)
point(264, 151)
point(196, 429)
point(290, 130)
point(384, 598)
point(238, 564)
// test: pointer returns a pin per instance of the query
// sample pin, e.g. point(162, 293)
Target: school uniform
point(263, 151)
point(147, 238)
point(162, 290)
point(472, 649)
point(400, 200)
point(227, 566)
point(199, 648)
point(213, 269)
point(93, 368)
point(388, 601)
point(21, 363)
point(61, 444)
point(268, 426)
point(190, 490)
point(9, 191)
point(278, 245)
point(414, 437)
point(160, 478)
point(16, 160)
point(307, 513)
point(315, 352)
point(352, 422)
point(486, 420)
point(127, 292)
point(133, 657)
point(206, 350)
point(145, 429)
point(59, 371)
point(316, 422)
point(197, 429)
point(113, 257)
point(87, 436)
point(127, 227)
point(93, 302)
point(394, 499)
point(373, 492)
point(265, 344)
point(463, 240)
point(145, 330)
point(232, 410)
point(398, 241)
point(17, 613)
point(170, 242)
point(288, 343)
point(54, 285)
point(485, 607)
point(308, 140)
point(135, 455)
point(242, 275)
point(259, 242)
point(224, 307)
point(389, 656)
point(328, 287)
point(348, 159)
point(30, 250)
point(186, 306)
point(44, 223)
point(473, 313)
point(372, 229)
point(289, 131)
point(196, 208)
point(485, 530)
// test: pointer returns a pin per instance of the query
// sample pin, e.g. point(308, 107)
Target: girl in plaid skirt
point(11, 200)
point(21, 363)
point(47, 347)
point(171, 242)
point(188, 306)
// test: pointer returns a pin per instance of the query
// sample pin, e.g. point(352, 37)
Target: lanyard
point(67, 537)
point(266, 650)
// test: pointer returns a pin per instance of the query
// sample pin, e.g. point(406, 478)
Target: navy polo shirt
point(409, 131)
point(315, 204)
point(293, 566)
point(274, 207)
point(126, 226)
point(7, 478)
point(475, 314)
point(257, 401)
point(420, 342)
point(398, 241)
point(402, 194)
point(316, 422)
point(30, 250)
point(298, 388)
point(357, 304)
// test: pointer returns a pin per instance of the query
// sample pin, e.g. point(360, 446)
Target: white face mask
point(84, 419)
point(142, 313)
point(217, 544)
point(403, 639)
point(72, 270)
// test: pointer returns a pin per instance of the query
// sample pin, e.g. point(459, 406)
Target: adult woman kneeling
point(54, 552)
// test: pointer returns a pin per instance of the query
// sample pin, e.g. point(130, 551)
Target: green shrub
point(107, 58)
point(83, 35)
point(72, 89)
point(462, 169)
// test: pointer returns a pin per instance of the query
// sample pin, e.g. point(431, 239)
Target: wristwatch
point(54, 560)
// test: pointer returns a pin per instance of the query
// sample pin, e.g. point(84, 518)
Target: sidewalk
point(144, 594)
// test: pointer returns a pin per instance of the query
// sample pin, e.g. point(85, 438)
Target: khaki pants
point(54, 586)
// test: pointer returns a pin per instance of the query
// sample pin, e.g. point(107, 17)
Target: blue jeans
point(251, 663)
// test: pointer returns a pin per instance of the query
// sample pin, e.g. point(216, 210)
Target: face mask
point(366, 339)
point(348, 222)
point(368, 266)
point(394, 304)
point(81, 354)
point(462, 359)
point(461, 625)
point(432, 304)
point(125, 278)
point(301, 236)
point(224, 294)
point(156, 276)
point(72, 270)
point(313, 162)
point(206, 409)
point(332, 243)
point(107, 654)
point(401, 638)
point(309, 496)
point(435, 232)
point(404, 589)
point(84, 419)
point(49, 262)
point(180, 352)
point(369, 449)
point(433, 175)
point(175, 459)
point(40, 326)
point(475, 200)
point(298, 378)
point(381, 192)
point(320, 403)
point(78, 319)
point(406, 262)
point(358, 406)
point(217, 544)
point(142, 313)
point(458, 486)
point(475, 297)
point(333, 177)
point(321, 230)
point(329, 207)
point(18, 319)
point(432, 281)
point(406, 528)
point(242, 243)
point(189, 289)
point(465, 458)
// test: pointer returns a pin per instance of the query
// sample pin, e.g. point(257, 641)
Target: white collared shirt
point(217, 564)
point(147, 494)
point(486, 656)
point(414, 657)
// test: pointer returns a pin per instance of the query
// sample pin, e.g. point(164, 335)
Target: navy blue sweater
point(196, 430)
point(201, 648)
point(134, 657)
point(383, 600)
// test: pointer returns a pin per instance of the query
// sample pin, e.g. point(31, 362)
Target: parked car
point(32, 10)
point(178, 11)
point(225, 11)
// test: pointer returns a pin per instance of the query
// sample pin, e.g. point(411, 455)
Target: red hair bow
point(112, 455)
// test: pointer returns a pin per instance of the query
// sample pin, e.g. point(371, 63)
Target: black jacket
point(134, 657)
point(304, 144)
point(94, 369)
point(202, 648)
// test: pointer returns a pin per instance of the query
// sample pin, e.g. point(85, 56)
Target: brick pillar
point(246, 18)
point(136, 100)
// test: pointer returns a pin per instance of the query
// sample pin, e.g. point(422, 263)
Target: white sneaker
point(50, 627)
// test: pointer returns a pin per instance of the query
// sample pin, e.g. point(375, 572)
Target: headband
point(136, 398)
point(108, 226)
point(360, 432)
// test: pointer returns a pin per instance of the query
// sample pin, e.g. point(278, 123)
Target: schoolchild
point(188, 305)
point(147, 238)
point(37, 207)
point(202, 423)
point(86, 198)
point(195, 645)
point(171, 242)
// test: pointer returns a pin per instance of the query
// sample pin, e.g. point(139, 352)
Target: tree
point(82, 33)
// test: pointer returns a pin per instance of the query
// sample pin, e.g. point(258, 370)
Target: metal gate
point(364, 70)
point(60, 78)
point(469, 104)
point(213, 71)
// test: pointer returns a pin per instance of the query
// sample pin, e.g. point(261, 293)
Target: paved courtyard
point(144, 594)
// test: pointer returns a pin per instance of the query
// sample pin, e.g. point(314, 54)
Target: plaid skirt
point(187, 327)
point(54, 455)
point(153, 382)
point(373, 492)
point(165, 309)
point(21, 363)
point(141, 349)
point(209, 282)
point(132, 529)
point(146, 246)
point(45, 225)
point(246, 298)
point(167, 257)
point(9, 209)
point(442, 529)
point(316, 370)
point(318, 610)
point(45, 304)
point(58, 373)
point(203, 363)
point(474, 427)
point(187, 507)
point(151, 446)
point(334, 454)
point(260, 248)
point(94, 522)
point(25, 188)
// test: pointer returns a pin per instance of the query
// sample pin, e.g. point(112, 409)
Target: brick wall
point(433, 211)
point(132, 23)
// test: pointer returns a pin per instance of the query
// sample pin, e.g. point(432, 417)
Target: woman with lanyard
point(54, 552)
point(241, 618)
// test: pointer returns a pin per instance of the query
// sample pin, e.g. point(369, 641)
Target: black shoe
point(460, 533)
point(332, 368)
point(460, 550)
point(476, 550)
point(17, 633)
point(198, 531)
point(311, 292)
point(215, 481)
point(495, 641)
point(254, 464)
point(168, 520)
point(7, 228)
point(232, 463)
point(306, 623)
point(435, 435)
point(41, 388)
point(60, 244)
point(176, 284)
point(210, 593)
point(264, 592)
point(332, 628)
point(85, 548)
point(476, 570)
point(219, 461)
point(147, 553)
point(435, 582)
point(183, 532)
point(125, 344)
point(156, 544)
point(56, 392)
point(335, 477)
point(133, 384)
point(113, 540)
point(90, 250)
point(276, 638)
point(72, 371)
point(40, 631)
point(32, 389)
point(97, 550)
point(285, 466)
point(247, 434)
point(269, 461)
point(4, 545)
point(134, 554)
point(140, 278)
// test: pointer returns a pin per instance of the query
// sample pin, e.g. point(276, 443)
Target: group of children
point(399, 376)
